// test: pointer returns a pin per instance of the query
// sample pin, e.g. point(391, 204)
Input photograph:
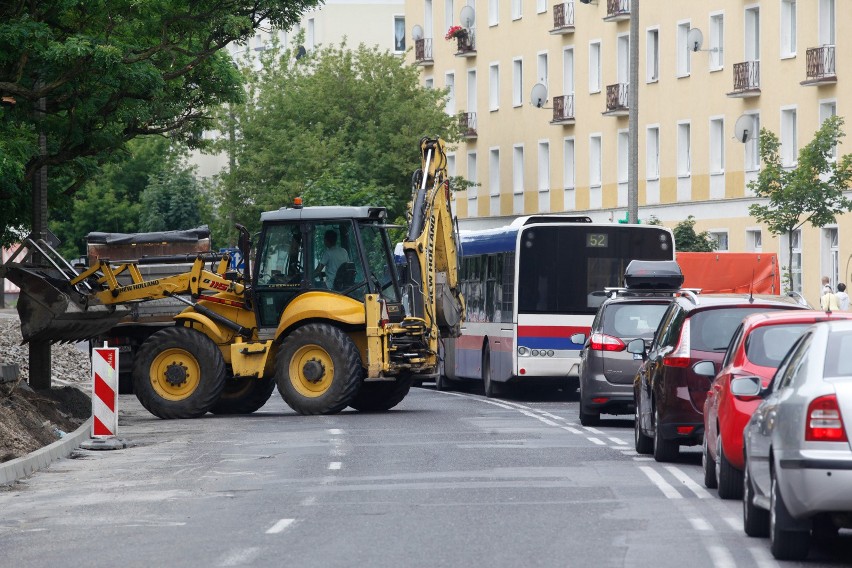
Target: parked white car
point(798, 471)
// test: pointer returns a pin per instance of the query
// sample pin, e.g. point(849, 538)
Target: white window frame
point(789, 28)
point(825, 105)
point(684, 148)
point(494, 86)
point(789, 136)
point(652, 55)
point(494, 171)
point(796, 284)
point(652, 152)
point(595, 66)
point(543, 165)
point(717, 145)
point(398, 17)
point(428, 19)
point(449, 14)
point(541, 64)
point(493, 12)
point(623, 155)
point(622, 64)
point(722, 238)
point(595, 159)
point(471, 167)
point(540, 6)
point(517, 9)
point(827, 22)
point(754, 239)
point(568, 77)
point(429, 82)
point(569, 163)
point(683, 55)
point(752, 146)
point(472, 90)
point(751, 44)
point(311, 34)
point(716, 41)
point(450, 84)
point(518, 174)
point(517, 81)
point(830, 249)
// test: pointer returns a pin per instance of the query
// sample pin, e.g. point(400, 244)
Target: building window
point(794, 262)
point(540, 6)
point(652, 156)
point(828, 109)
point(518, 169)
point(517, 9)
point(789, 147)
point(449, 12)
point(568, 71)
point(721, 240)
point(429, 83)
point(623, 58)
point(544, 166)
point(494, 86)
point(471, 167)
point(595, 67)
point(683, 51)
point(788, 28)
point(451, 165)
point(399, 33)
point(568, 163)
point(623, 155)
point(428, 23)
point(494, 171)
point(652, 61)
point(517, 82)
point(311, 35)
point(541, 67)
point(752, 34)
point(493, 12)
point(717, 42)
point(754, 240)
point(595, 170)
point(831, 255)
point(826, 22)
point(471, 90)
point(752, 146)
point(717, 145)
point(450, 83)
point(684, 149)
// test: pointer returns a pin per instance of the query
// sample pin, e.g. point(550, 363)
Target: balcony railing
point(423, 51)
point(746, 79)
point(617, 99)
point(820, 67)
point(563, 110)
point(617, 10)
point(563, 18)
point(466, 44)
point(467, 123)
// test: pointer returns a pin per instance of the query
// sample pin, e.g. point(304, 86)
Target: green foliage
point(171, 202)
point(687, 240)
point(108, 71)
point(337, 126)
point(811, 192)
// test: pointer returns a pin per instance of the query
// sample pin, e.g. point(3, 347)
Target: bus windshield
point(564, 269)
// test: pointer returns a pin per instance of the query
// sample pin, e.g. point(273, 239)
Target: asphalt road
point(447, 479)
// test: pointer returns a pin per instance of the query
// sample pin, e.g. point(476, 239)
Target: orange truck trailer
point(728, 272)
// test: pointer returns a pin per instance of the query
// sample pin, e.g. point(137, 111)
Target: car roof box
point(653, 275)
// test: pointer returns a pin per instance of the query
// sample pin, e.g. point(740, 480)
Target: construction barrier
point(105, 392)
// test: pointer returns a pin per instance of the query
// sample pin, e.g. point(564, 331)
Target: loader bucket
point(52, 310)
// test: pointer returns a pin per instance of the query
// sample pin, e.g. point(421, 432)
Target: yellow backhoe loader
point(322, 313)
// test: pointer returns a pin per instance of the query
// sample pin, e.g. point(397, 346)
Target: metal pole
point(633, 117)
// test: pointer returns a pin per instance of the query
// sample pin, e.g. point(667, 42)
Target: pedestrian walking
point(842, 297)
point(828, 300)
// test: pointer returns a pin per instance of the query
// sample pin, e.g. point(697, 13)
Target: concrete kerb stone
point(19, 468)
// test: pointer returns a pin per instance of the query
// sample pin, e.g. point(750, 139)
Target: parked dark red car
point(757, 348)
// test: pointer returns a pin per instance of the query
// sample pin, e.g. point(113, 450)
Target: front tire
point(643, 444)
point(244, 395)
point(178, 372)
point(379, 396)
point(709, 465)
point(318, 369)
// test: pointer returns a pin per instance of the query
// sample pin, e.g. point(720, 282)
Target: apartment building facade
point(777, 64)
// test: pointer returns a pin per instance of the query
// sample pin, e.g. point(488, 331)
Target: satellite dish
point(694, 39)
point(744, 128)
point(467, 16)
point(538, 95)
point(301, 52)
point(416, 32)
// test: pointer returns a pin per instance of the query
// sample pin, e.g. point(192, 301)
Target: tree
point(811, 192)
point(687, 240)
point(108, 71)
point(171, 201)
point(336, 126)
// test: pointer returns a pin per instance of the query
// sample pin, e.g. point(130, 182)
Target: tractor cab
point(337, 250)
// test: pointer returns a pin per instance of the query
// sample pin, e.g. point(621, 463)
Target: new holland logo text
point(137, 286)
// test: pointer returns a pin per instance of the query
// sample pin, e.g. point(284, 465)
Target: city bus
point(529, 286)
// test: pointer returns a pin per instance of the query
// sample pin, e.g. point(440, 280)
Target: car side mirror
point(637, 347)
point(705, 369)
point(746, 388)
point(578, 339)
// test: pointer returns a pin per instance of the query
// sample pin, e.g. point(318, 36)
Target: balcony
point(563, 110)
point(617, 10)
point(563, 18)
point(820, 67)
point(617, 100)
point(467, 123)
point(466, 43)
point(423, 52)
point(746, 80)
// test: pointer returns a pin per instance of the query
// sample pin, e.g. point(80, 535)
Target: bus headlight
point(535, 352)
point(523, 351)
point(550, 353)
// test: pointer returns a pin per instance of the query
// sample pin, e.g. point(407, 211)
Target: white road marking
point(643, 459)
point(735, 523)
point(572, 430)
point(308, 501)
point(594, 430)
point(661, 483)
point(618, 441)
point(762, 557)
point(335, 465)
point(337, 452)
point(335, 431)
point(595, 441)
point(280, 526)
point(549, 415)
point(628, 452)
point(241, 557)
point(700, 524)
point(720, 556)
point(699, 491)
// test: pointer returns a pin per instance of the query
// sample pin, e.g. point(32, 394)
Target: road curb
point(19, 468)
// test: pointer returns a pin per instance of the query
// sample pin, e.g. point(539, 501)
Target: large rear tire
point(664, 450)
point(643, 443)
point(178, 372)
point(318, 369)
point(790, 539)
point(491, 389)
point(380, 396)
point(709, 465)
point(755, 519)
point(244, 395)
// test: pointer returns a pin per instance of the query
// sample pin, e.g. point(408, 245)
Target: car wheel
point(789, 538)
point(487, 382)
point(755, 519)
point(730, 478)
point(709, 465)
point(644, 444)
point(589, 418)
point(664, 450)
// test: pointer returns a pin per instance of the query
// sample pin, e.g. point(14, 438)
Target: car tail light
point(600, 400)
point(685, 430)
point(603, 342)
point(824, 421)
point(679, 357)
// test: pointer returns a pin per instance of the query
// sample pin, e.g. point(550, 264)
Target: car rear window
point(712, 330)
point(633, 320)
point(766, 346)
point(838, 363)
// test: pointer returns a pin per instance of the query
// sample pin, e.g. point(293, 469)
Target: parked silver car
point(798, 471)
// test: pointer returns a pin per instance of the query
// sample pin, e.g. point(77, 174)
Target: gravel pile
point(69, 364)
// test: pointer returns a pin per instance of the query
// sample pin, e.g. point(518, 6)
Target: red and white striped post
point(105, 392)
